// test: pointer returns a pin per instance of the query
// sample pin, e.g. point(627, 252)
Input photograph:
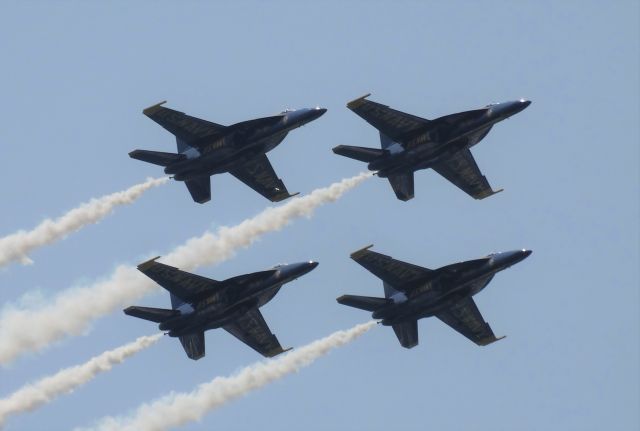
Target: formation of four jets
point(408, 143)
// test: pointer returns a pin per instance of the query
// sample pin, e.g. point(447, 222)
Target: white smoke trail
point(34, 395)
point(178, 409)
point(28, 328)
point(17, 246)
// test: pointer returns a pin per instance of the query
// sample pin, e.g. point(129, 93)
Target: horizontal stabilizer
point(368, 303)
point(156, 157)
point(193, 345)
point(407, 333)
point(402, 185)
point(363, 154)
point(157, 315)
point(200, 189)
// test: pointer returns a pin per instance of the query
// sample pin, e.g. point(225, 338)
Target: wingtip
point(488, 341)
point(358, 253)
point(357, 102)
point(153, 109)
point(493, 192)
point(283, 196)
point(147, 264)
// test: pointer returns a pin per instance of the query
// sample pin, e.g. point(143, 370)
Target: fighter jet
point(413, 292)
point(206, 148)
point(411, 143)
point(199, 304)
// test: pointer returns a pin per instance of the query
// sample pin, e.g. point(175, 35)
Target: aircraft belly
point(412, 160)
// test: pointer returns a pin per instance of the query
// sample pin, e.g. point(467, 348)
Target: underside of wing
point(191, 130)
point(407, 333)
point(398, 274)
point(258, 174)
point(461, 169)
point(394, 124)
point(465, 318)
point(200, 189)
point(186, 286)
point(252, 330)
point(193, 344)
point(402, 185)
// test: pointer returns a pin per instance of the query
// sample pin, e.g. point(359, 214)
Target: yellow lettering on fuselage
point(215, 145)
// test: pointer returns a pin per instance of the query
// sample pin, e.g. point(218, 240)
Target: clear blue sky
point(76, 76)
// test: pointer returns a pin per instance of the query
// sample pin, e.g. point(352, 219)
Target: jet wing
point(458, 117)
point(455, 269)
point(189, 287)
point(252, 330)
point(402, 185)
point(258, 174)
point(398, 274)
point(407, 333)
point(193, 344)
point(244, 279)
point(465, 318)
point(461, 169)
point(395, 124)
point(200, 189)
point(189, 129)
point(250, 126)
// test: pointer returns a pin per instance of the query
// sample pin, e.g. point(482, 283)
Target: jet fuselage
point(462, 131)
point(229, 303)
point(238, 146)
point(447, 288)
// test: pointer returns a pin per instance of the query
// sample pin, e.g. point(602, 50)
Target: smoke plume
point(34, 395)
point(178, 409)
point(17, 246)
point(28, 328)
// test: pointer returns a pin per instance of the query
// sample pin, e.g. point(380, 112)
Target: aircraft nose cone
point(520, 255)
point(523, 104)
point(519, 106)
point(304, 267)
point(507, 109)
point(318, 112)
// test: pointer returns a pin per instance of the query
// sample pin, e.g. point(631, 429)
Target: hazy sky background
point(76, 77)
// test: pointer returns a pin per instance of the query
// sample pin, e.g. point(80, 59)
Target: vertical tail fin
point(389, 290)
point(176, 302)
point(182, 145)
point(385, 141)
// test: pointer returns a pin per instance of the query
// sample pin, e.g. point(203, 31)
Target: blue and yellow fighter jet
point(206, 148)
point(411, 143)
point(199, 304)
point(412, 292)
